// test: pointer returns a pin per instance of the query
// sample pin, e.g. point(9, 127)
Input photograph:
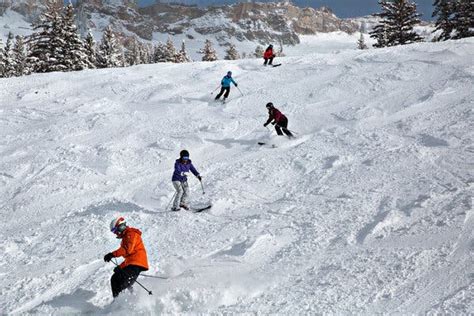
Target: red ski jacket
point(268, 53)
point(275, 114)
point(132, 249)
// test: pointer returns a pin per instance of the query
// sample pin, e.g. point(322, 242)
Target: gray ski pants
point(182, 191)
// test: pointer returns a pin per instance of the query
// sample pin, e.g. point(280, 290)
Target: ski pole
point(128, 276)
point(202, 187)
point(215, 89)
point(154, 276)
point(239, 90)
point(174, 195)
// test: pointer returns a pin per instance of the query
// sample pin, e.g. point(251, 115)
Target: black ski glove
point(265, 124)
point(108, 257)
point(236, 85)
point(199, 178)
point(117, 269)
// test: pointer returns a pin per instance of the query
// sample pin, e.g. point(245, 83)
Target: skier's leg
point(227, 91)
point(131, 273)
point(271, 61)
point(265, 62)
point(220, 93)
point(278, 130)
point(179, 192)
point(116, 284)
point(284, 126)
point(184, 198)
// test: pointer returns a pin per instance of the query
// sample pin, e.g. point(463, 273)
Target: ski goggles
point(185, 158)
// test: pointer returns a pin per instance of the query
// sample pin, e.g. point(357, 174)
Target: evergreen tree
point(160, 53)
point(232, 53)
point(396, 27)
point(209, 54)
point(170, 51)
point(133, 55)
point(2, 61)
point(89, 46)
point(182, 56)
point(19, 55)
point(47, 44)
point(110, 53)
point(361, 42)
point(444, 10)
point(463, 19)
point(258, 53)
point(75, 55)
point(8, 58)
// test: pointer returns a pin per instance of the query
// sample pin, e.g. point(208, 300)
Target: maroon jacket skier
point(278, 119)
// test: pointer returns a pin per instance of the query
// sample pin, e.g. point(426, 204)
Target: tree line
point(55, 45)
point(454, 20)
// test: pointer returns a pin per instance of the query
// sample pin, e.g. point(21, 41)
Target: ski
point(264, 144)
point(198, 210)
point(277, 65)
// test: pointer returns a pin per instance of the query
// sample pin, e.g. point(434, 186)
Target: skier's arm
point(193, 170)
point(270, 118)
point(235, 83)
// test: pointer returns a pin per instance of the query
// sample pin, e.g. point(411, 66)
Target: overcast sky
point(342, 8)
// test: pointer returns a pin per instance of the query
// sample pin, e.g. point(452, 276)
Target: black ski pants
point(282, 126)
point(223, 89)
point(124, 278)
point(268, 59)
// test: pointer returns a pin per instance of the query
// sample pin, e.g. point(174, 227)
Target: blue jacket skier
point(225, 85)
point(182, 166)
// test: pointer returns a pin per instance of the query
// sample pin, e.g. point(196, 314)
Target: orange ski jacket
point(132, 249)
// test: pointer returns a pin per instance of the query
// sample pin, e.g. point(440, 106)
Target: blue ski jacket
point(226, 81)
point(180, 170)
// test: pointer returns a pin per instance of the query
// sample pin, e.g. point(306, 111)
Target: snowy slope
point(369, 210)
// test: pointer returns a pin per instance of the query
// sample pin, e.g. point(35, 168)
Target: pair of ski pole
point(220, 86)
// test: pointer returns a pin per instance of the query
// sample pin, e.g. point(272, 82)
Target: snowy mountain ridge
point(368, 211)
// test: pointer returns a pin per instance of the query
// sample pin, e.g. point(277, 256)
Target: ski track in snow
point(369, 210)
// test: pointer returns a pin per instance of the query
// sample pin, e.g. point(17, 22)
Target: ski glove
point(265, 124)
point(236, 85)
point(199, 177)
point(108, 257)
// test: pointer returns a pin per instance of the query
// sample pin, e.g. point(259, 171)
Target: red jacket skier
point(268, 55)
point(278, 119)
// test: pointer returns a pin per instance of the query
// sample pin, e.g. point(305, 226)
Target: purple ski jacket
point(180, 170)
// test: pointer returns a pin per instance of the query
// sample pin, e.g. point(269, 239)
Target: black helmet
point(184, 153)
point(269, 105)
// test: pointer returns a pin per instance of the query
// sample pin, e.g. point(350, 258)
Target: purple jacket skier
point(182, 166)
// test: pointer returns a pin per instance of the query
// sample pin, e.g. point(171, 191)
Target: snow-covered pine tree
point(75, 55)
point(19, 55)
point(9, 58)
point(47, 43)
point(398, 18)
point(444, 11)
point(361, 42)
point(2, 62)
point(110, 52)
point(170, 51)
point(463, 19)
point(258, 53)
point(232, 53)
point(89, 45)
point(133, 54)
point(209, 53)
point(146, 53)
point(160, 53)
point(182, 55)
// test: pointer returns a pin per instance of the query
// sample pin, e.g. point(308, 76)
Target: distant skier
point(182, 166)
point(225, 85)
point(133, 250)
point(268, 55)
point(278, 119)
